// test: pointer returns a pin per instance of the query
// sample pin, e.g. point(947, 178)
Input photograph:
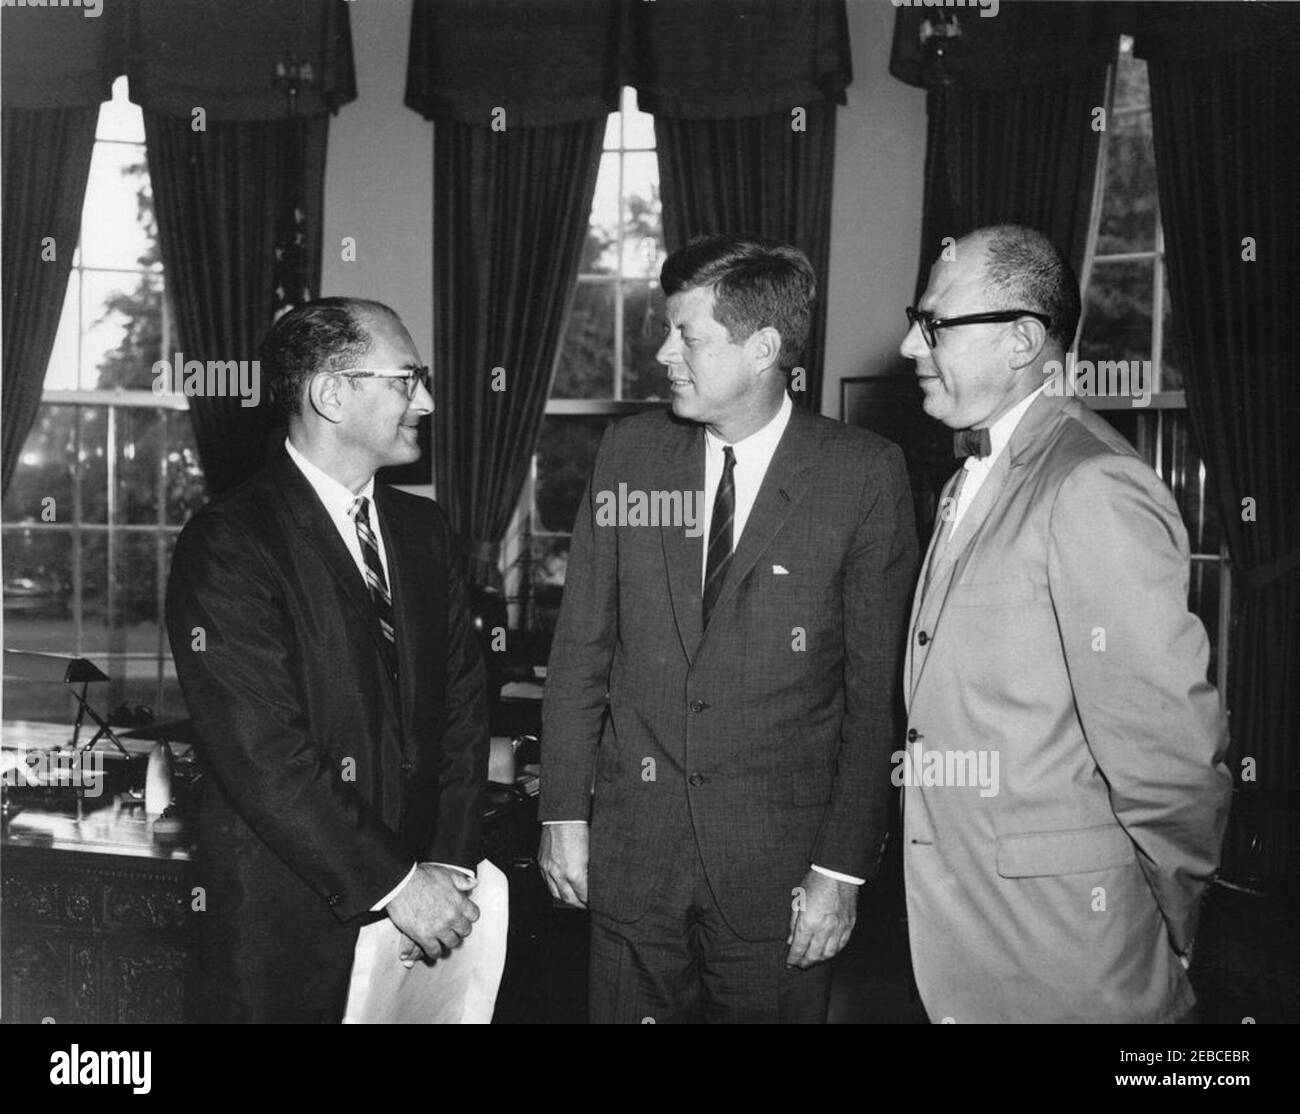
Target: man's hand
point(562, 856)
point(822, 914)
point(433, 910)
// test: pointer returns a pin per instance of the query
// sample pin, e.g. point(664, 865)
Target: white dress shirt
point(978, 468)
point(337, 500)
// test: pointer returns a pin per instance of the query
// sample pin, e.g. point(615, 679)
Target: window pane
point(117, 219)
point(38, 617)
point(643, 249)
point(1117, 316)
point(1128, 213)
point(61, 373)
point(92, 455)
point(45, 469)
point(135, 566)
point(140, 448)
point(586, 367)
point(600, 252)
point(643, 376)
point(565, 455)
point(93, 548)
point(185, 491)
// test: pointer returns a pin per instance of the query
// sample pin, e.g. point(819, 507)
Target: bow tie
point(971, 442)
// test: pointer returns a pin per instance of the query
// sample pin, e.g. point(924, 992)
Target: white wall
point(876, 212)
point(379, 179)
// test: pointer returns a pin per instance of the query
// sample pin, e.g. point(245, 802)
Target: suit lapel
point(407, 563)
point(684, 556)
point(1029, 439)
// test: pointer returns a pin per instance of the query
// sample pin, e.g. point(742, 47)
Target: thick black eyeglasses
point(409, 376)
point(930, 325)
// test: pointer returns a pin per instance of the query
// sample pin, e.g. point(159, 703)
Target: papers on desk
point(460, 989)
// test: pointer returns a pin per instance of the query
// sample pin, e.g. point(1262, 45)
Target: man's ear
point(325, 396)
point(1028, 338)
point(764, 346)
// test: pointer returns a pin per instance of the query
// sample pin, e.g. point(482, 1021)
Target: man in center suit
point(324, 647)
point(750, 657)
point(1065, 794)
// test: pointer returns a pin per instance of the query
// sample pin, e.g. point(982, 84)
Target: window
point(1127, 317)
point(606, 368)
point(109, 473)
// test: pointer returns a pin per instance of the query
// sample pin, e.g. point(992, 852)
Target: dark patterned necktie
point(720, 530)
point(375, 579)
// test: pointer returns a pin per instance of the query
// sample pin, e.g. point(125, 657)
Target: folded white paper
point(460, 989)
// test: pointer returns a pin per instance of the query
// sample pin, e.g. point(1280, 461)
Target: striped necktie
point(720, 530)
point(375, 579)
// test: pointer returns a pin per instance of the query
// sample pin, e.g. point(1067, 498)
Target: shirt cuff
point(547, 822)
point(460, 869)
point(838, 876)
point(383, 901)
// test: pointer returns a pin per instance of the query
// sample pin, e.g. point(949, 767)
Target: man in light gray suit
point(1065, 794)
point(741, 786)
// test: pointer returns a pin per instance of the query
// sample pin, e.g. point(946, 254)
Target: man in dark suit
point(741, 786)
point(324, 647)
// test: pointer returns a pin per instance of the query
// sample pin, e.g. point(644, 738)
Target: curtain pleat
point(46, 165)
point(224, 197)
point(1226, 130)
point(510, 216)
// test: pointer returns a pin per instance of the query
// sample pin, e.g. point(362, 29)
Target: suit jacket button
point(698, 705)
point(923, 638)
point(406, 765)
point(913, 734)
point(333, 900)
point(697, 780)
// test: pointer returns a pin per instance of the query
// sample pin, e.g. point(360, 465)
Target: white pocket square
point(780, 570)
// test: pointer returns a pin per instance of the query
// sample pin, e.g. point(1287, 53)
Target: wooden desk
point(97, 921)
point(98, 924)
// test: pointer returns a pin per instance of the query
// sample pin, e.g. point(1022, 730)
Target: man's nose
point(668, 351)
point(914, 346)
point(422, 401)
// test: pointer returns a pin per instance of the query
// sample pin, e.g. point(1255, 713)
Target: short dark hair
point(757, 283)
point(1025, 270)
point(323, 335)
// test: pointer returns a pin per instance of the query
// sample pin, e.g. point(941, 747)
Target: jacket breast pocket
point(1077, 851)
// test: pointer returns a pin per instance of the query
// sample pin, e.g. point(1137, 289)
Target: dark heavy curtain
point(1011, 130)
point(47, 161)
point(510, 213)
point(225, 201)
point(1226, 130)
point(238, 192)
point(1023, 156)
point(755, 174)
point(56, 66)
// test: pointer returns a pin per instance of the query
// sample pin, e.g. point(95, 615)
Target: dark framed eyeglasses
point(409, 376)
point(930, 325)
